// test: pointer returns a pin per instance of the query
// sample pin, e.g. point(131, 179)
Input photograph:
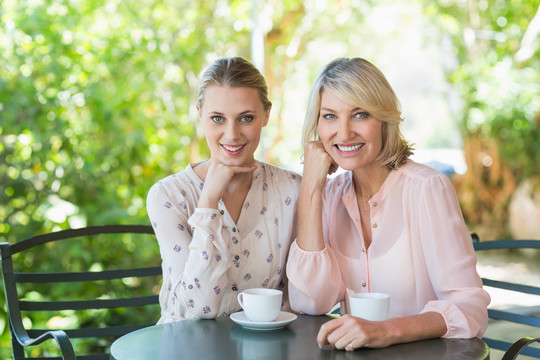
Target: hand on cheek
point(317, 163)
point(217, 179)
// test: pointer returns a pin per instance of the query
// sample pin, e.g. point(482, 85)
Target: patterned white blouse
point(207, 259)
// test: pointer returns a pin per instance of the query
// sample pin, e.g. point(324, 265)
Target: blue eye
point(329, 116)
point(217, 119)
point(247, 118)
point(361, 115)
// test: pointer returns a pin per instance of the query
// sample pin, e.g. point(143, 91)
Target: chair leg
point(516, 347)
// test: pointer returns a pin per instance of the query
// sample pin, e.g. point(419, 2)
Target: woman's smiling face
point(350, 135)
point(233, 119)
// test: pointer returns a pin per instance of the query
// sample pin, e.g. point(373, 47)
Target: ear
point(267, 116)
point(198, 110)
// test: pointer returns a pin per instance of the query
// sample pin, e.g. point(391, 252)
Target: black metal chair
point(527, 318)
point(20, 306)
point(518, 347)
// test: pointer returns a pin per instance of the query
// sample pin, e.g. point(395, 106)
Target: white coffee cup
point(370, 306)
point(261, 305)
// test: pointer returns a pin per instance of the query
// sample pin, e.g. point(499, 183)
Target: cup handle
point(240, 299)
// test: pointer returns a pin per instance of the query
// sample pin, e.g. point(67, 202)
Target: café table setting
point(263, 331)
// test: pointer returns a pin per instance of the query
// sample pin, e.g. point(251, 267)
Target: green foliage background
point(97, 96)
point(95, 101)
point(501, 92)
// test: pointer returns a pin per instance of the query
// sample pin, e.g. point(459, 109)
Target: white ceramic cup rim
point(370, 306)
point(262, 291)
point(261, 304)
point(370, 295)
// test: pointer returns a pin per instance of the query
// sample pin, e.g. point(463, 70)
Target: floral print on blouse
point(207, 259)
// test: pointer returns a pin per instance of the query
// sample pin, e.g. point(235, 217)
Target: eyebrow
point(332, 110)
point(246, 112)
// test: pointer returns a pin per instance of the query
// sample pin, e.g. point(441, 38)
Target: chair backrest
point(84, 289)
point(528, 317)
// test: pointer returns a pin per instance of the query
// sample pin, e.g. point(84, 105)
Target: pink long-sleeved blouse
point(421, 252)
point(207, 257)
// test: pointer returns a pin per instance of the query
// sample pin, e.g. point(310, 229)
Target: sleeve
point(451, 261)
point(315, 282)
point(291, 182)
point(194, 255)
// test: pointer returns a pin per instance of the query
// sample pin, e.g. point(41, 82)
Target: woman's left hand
point(348, 333)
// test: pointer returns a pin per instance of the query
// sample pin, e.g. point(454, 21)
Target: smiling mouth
point(232, 148)
point(350, 148)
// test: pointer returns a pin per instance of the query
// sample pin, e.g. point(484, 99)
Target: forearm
point(205, 272)
point(195, 265)
point(310, 230)
point(428, 325)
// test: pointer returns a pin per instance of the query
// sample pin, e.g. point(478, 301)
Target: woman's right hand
point(217, 179)
point(317, 164)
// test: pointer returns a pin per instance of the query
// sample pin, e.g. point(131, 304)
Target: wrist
point(206, 202)
point(312, 188)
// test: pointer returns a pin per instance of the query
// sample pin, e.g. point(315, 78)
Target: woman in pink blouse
point(387, 224)
point(226, 224)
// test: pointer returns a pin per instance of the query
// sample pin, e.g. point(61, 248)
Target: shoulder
point(414, 171)
point(424, 179)
point(183, 182)
point(279, 175)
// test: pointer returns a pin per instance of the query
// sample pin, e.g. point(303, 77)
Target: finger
point(339, 338)
point(314, 143)
point(343, 335)
point(219, 167)
point(325, 330)
point(243, 168)
point(343, 341)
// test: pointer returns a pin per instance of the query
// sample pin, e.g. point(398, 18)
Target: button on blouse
point(205, 258)
point(421, 253)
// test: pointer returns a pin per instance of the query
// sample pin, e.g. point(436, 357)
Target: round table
point(223, 339)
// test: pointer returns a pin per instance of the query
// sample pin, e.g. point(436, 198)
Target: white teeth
point(232, 148)
point(350, 148)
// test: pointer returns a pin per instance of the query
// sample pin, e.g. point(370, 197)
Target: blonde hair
point(234, 72)
point(359, 83)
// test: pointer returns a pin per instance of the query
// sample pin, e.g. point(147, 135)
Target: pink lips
point(232, 150)
point(346, 150)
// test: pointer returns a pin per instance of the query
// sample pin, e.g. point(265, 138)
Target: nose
point(232, 132)
point(344, 131)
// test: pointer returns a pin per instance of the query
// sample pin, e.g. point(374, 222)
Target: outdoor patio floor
point(517, 268)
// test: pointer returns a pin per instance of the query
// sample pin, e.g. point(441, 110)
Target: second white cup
point(261, 305)
point(370, 306)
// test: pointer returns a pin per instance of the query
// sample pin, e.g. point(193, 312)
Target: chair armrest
point(516, 347)
point(61, 338)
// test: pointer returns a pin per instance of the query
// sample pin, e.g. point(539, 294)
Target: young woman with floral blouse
point(225, 224)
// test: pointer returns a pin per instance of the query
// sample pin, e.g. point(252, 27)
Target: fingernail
point(326, 346)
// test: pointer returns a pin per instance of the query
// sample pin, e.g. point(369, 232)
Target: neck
point(239, 181)
point(368, 181)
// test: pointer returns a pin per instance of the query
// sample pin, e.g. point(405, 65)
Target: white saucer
point(284, 318)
